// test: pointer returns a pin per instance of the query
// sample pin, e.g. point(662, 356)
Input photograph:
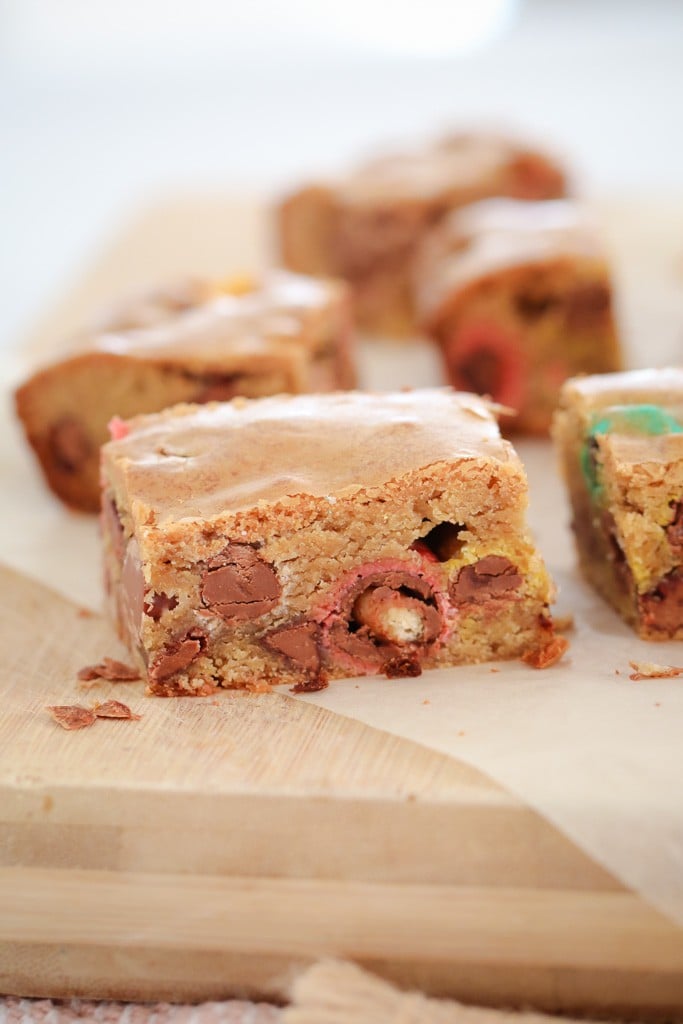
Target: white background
point(106, 106)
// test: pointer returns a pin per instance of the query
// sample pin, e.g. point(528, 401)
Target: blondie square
point(367, 227)
point(518, 297)
point(285, 333)
point(300, 539)
point(620, 438)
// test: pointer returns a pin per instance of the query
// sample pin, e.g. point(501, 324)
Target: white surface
point(169, 96)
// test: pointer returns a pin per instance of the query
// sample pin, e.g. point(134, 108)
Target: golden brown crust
point(366, 228)
point(290, 334)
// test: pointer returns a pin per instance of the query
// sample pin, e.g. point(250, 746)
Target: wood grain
point(215, 845)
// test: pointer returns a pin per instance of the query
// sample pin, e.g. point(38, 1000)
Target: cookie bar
point(367, 227)
point(286, 334)
point(620, 438)
point(300, 539)
point(518, 297)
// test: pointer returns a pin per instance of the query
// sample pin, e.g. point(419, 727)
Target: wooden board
point(214, 846)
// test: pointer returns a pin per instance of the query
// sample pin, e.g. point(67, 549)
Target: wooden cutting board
point(215, 845)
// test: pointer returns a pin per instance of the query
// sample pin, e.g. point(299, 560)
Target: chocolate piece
point(311, 685)
point(133, 586)
point(218, 387)
point(299, 643)
point(238, 585)
point(157, 604)
point(68, 444)
point(674, 532)
point(177, 655)
point(481, 371)
point(72, 716)
point(115, 709)
point(113, 527)
point(383, 619)
point(111, 669)
point(587, 305)
point(662, 608)
point(402, 667)
point(491, 578)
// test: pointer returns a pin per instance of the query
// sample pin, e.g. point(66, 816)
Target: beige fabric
point(334, 992)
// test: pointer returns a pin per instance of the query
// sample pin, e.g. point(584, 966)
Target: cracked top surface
point(254, 321)
point(496, 234)
point(202, 461)
point(464, 160)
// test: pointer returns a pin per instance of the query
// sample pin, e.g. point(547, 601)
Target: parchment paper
point(599, 755)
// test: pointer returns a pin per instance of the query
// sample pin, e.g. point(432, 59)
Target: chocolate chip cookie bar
point(285, 333)
point(367, 227)
point(300, 539)
point(620, 438)
point(518, 297)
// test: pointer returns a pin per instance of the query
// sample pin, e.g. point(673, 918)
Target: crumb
point(114, 709)
point(564, 623)
point(549, 654)
point(461, 733)
point(426, 702)
point(109, 668)
point(648, 670)
point(657, 704)
point(85, 613)
point(494, 669)
point(617, 672)
point(71, 716)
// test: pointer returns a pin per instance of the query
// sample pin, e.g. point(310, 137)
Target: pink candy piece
point(118, 428)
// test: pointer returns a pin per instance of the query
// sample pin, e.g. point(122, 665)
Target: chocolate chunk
point(299, 643)
point(674, 532)
point(132, 591)
point(218, 387)
point(491, 578)
point(115, 709)
point(239, 585)
point(587, 305)
point(481, 372)
point(112, 527)
point(111, 669)
point(533, 305)
point(384, 622)
point(662, 608)
point(72, 716)
point(177, 655)
point(402, 667)
point(311, 685)
point(69, 444)
point(157, 604)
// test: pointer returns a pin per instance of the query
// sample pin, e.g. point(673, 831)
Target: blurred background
point(108, 106)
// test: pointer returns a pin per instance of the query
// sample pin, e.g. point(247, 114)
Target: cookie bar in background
point(518, 297)
point(287, 333)
point(620, 438)
point(366, 227)
point(300, 539)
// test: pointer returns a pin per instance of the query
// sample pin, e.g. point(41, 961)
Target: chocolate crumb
point(649, 670)
point(109, 668)
point(548, 654)
point(71, 716)
point(310, 685)
point(114, 709)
